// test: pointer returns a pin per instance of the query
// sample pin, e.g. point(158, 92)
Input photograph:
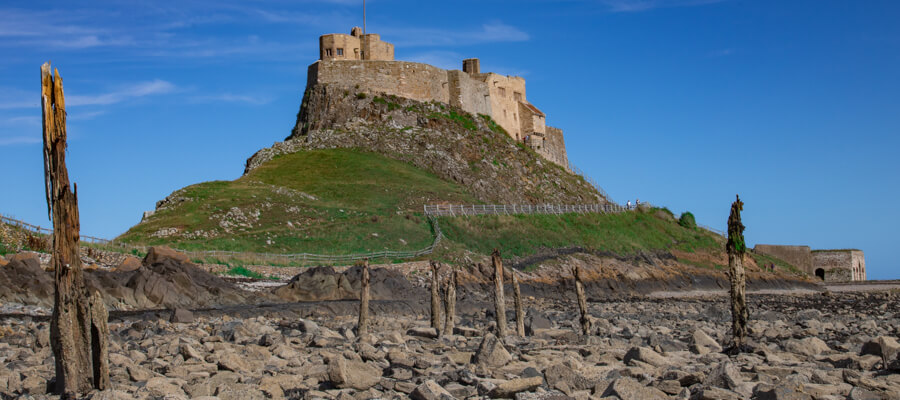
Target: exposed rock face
point(324, 283)
point(166, 279)
point(489, 164)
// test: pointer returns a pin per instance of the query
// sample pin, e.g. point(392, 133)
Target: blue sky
point(683, 103)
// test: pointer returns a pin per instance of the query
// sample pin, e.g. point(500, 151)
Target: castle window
point(518, 96)
point(502, 92)
point(340, 52)
point(327, 52)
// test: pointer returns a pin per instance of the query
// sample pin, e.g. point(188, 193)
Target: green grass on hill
point(364, 202)
point(624, 233)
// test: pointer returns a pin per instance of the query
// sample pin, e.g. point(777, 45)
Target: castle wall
point(415, 81)
point(469, 94)
point(506, 93)
point(840, 265)
point(554, 148)
point(798, 256)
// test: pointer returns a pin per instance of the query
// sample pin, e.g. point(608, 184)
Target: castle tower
point(355, 46)
point(472, 66)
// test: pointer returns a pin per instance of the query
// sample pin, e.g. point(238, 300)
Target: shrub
point(360, 95)
point(242, 271)
point(687, 220)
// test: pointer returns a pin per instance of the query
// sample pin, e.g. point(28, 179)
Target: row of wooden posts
point(79, 334)
point(443, 311)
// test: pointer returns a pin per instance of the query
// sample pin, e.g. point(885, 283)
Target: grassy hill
point(334, 201)
point(340, 201)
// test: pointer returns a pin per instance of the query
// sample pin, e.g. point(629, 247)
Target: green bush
point(687, 220)
point(242, 271)
point(360, 95)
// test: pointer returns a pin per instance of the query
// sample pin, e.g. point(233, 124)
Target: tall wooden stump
point(450, 292)
point(582, 302)
point(78, 328)
point(499, 301)
point(736, 249)
point(436, 297)
point(362, 326)
point(520, 313)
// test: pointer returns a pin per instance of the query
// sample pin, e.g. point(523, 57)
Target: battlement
point(366, 62)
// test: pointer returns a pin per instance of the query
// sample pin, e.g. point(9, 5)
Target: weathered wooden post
point(736, 249)
point(582, 302)
point(362, 327)
point(450, 292)
point(499, 301)
point(78, 328)
point(520, 313)
point(436, 297)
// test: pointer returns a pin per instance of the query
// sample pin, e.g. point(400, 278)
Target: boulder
point(781, 392)
point(725, 375)
point(429, 333)
point(702, 344)
point(232, 362)
point(509, 388)
point(630, 389)
point(324, 283)
point(158, 254)
point(645, 355)
point(26, 256)
point(160, 387)
point(811, 346)
point(181, 315)
point(565, 378)
point(350, 374)
point(491, 352)
point(430, 390)
point(3, 262)
point(885, 347)
point(129, 264)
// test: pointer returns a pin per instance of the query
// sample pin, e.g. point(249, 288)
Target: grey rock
point(491, 352)
point(430, 390)
point(629, 389)
point(349, 374)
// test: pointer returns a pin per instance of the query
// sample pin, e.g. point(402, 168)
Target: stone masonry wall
point(415, 81)
point(554, 148)
point(798, 256)
point(840, 265)
point(469, 94)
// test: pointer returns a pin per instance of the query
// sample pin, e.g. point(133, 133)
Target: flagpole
point(365, 39)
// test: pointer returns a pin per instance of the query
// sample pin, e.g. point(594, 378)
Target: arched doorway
point(820, 273)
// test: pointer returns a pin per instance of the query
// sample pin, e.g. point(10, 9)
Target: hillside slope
point(469, 150)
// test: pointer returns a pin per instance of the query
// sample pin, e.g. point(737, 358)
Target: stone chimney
point(471, 66)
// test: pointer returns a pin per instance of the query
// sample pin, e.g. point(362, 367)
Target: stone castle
point(827, 265)
point(367, 62)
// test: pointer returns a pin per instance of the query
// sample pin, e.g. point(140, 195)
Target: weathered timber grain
point(362, 327)
point(582, 302)
point(78, 328)
point(436, 297)
point(499, 301)
point(520, 313)
point(736, 247)
point(450, 302)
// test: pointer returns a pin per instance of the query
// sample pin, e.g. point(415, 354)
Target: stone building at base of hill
point(826, 265)
point(367, 63)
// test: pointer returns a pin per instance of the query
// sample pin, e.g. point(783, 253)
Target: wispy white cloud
point(645, 5)
point(19, 139)
point(492, 32)
point(32, 120)
point(233, 98)
point(83, 116)
point(137, 90)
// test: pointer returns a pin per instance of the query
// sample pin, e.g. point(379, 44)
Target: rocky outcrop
point(454, 145)
point(165, 279)
point(324, 283)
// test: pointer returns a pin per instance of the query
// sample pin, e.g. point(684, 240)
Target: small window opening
point(340, 52)
point(328, 52)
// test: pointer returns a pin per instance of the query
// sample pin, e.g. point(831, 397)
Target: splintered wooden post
point(450, 315)
point(582, 302)
point(499, 301)
point(363, 324)
point(78, 328)
point(736, 247)
point(435, 297)
point(520, 313)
